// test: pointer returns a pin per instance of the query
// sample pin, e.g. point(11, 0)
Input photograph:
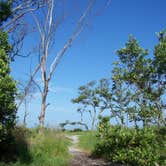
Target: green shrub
point(127, 145)
point(161, 138)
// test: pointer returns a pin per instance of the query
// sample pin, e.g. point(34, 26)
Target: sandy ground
point(81, 158)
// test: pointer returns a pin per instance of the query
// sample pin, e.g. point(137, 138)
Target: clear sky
point(92, 54)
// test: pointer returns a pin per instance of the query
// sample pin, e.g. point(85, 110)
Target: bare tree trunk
point(93, 118)
point(43, 110)
point(46, 28)
point(25, 113)
point(43, 104)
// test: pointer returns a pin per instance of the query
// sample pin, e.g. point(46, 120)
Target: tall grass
point(87, 141)
point(49, 148)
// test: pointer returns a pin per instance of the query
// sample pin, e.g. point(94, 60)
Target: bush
point(127, 145)
point(161, 138)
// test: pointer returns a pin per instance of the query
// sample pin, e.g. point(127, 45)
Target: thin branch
point(37, 24)
point(70, 40)
point(26, 89)
point(36, 84)
point(80, 26)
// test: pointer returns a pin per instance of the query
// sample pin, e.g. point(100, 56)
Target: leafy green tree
point(7, 84)
point(138, 92)
point(89, 101)
point(108, 99)
point(121, 97)
point(104, 91)
point(160, 56)
point(7, 89)
point(115, 97)
point(144, 76)
point(133, 59)
point(158, 79)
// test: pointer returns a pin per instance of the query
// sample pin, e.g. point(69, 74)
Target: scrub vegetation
point(134, 131)
point(30, 147)
point(133, 97)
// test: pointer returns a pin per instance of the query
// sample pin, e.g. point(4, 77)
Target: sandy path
point(80, 158)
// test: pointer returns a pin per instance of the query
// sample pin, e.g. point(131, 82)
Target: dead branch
point(46, 31)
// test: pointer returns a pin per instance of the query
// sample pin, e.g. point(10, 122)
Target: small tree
point(89, 101)
point(105, 95)
point(121, 96)
point(145, 77)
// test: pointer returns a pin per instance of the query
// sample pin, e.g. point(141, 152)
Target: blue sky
point(92, 54)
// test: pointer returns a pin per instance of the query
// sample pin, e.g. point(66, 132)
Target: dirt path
point(80, 158)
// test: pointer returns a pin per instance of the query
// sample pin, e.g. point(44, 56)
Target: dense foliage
point(130, 146)
point(145, 77)
point(134, 97)
point(7, 93)
point(7, 87)
point(138, 93)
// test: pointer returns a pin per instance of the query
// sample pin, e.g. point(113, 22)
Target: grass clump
point(49, 148)
point(87, 141)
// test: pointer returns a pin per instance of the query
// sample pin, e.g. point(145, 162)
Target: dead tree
point(47, 22)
